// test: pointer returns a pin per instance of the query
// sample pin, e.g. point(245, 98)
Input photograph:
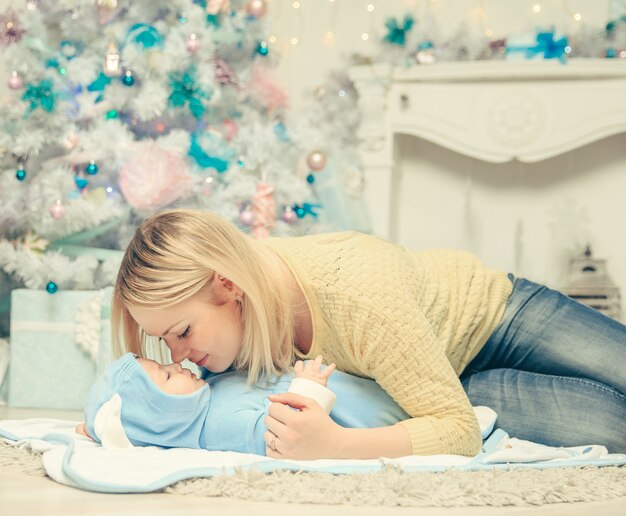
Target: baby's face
point(171, 378)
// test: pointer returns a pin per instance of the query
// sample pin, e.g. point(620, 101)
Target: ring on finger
point(273, 443)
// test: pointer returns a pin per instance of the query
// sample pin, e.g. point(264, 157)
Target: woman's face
point(206, 328)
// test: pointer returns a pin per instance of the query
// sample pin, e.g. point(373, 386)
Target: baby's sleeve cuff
point(305, 387)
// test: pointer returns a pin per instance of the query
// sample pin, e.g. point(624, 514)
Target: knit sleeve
point(400, 351)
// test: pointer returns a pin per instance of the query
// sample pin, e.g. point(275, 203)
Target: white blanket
point(77, 461)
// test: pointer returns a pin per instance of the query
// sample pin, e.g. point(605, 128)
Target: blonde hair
point(174, 254)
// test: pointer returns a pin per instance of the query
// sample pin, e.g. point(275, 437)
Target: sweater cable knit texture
point(410, 320)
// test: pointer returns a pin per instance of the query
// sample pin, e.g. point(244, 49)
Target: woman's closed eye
point(184, 334)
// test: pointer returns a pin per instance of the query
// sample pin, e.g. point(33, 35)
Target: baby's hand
point(312, 370)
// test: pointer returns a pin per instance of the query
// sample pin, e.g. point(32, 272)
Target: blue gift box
point(59, 344)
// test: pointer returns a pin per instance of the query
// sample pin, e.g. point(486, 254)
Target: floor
point(24, 495)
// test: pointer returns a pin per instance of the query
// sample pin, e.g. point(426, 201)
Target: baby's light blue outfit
point(226, 414)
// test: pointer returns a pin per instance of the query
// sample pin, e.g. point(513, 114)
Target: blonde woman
point(435, 329)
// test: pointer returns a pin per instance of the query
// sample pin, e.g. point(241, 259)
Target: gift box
point(59, 344)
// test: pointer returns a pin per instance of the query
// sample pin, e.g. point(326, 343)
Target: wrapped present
point(59, 344)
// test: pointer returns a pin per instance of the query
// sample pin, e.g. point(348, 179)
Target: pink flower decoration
point(264, 89)
point(153, 177)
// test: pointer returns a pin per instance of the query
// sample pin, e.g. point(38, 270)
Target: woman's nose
point(179, 351)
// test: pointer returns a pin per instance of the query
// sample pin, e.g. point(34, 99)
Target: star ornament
point(10, 29)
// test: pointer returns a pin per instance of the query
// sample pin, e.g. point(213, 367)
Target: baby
point(167, 405)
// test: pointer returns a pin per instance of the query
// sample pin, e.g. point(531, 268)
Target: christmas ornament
point(193, 44)
point(57, 210)
point(15, 81)
point(310, 179)
point(289, 215)
point(262, 48)
point(316, 160)
point(184, 90)
point(128, 79)
point(144, 35)
point(256, 8)
point(40, 95)
point(71, 49)
point(10, 29)
point(247, 216)
point(306, 209)
point(214, 7)
point(20, 174)
point(397, 33)
point(52, 287)
point(112, 64)
point(81, 183)
point(265, 89)
point(425, 53)
point(91, 168)
point(223, 73)
point(32, 5)
point(107, 10)
point(153, 177)
point(264, 208)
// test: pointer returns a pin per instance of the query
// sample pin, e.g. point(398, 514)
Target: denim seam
point(590, 383)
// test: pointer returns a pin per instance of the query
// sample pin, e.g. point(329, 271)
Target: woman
point(414, 322)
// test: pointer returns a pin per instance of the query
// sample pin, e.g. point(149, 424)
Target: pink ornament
point(289, 215)
point(153, 177)
point(57, 210)
point(217, 6)
point(264, 88)
point(247, 217)
point(229, 129)
point(264, 207)
point(256, 8)
point(223, 73)
point(15, 81)
point(193, 44)
point(316, 160)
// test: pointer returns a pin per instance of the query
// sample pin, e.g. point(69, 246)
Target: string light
point(578, 16)
point(370, 7)
point(272, 39)
point(296, 5)
point(329, 35)
point(536, 8)
point(294, 41)
point(365, 36)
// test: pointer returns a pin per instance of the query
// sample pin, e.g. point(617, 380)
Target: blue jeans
point(554, 370)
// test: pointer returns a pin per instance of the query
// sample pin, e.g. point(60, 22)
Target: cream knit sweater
point(411, 321)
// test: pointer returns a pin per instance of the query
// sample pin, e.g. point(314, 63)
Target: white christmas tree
point(116, 109)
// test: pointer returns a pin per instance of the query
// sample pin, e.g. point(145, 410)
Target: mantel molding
point(495, 111)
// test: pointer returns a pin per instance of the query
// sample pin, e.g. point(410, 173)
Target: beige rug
point(391, 487)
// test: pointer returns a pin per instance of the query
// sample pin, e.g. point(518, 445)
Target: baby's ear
point(81, 428)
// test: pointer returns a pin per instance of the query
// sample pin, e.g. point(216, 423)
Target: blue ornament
point(185, 90)
point(145, 35)
point(610, 53)
point(52, 287)
point(20, 174)
point(128, 79)
point(310, 179)
point(71, 49)
point(40, 95)
point(280, 130)
point(262, 48)
point(91, 168)
point(81, 182)
point(397, 32)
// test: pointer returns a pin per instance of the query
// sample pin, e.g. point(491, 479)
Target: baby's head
point(161, 405)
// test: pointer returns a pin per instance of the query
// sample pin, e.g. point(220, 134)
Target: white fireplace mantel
point(496, 111)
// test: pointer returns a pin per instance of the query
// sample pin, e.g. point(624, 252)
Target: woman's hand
point(305, 433)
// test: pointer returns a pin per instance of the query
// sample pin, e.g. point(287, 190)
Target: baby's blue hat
point(149, 416)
